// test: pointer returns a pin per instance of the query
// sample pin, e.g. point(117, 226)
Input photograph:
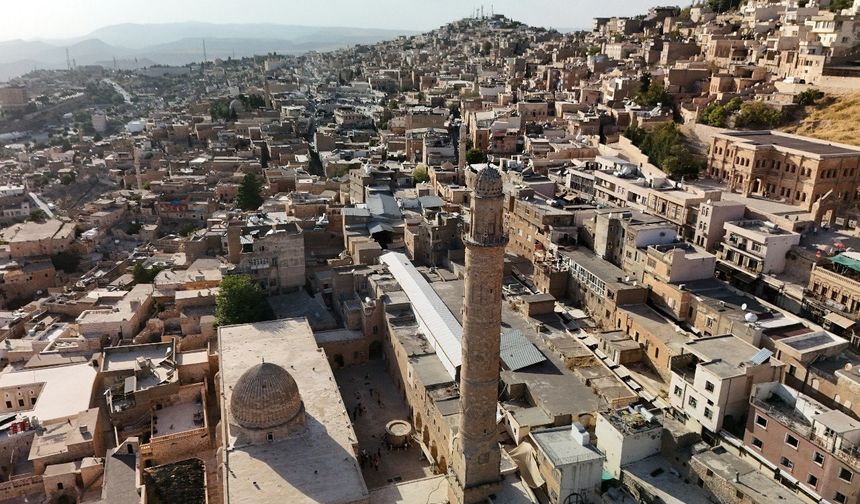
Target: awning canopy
point(847, 259)
point(843, 322)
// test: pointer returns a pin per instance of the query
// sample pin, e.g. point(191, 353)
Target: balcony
point(784, 413)
point(685, 371)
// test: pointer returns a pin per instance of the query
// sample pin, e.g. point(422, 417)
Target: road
point(41, 204)
point(125, 94)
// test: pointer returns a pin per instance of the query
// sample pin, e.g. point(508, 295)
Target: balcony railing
point(785, 415)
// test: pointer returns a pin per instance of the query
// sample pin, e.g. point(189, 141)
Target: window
point(20, 403)
point(692, 401)
point(270, 437)
point(812, 480)
point(708, 413)
point(9, 404)
point(786, 462)
point(678, 391)
point(761, 421)
point(845, 475)
point(791, 441)
point(709, 386)
point(818, 458)
point(757, 443)
point(792, 370)
point(838, 497)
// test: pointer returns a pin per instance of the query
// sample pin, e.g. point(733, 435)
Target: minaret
point(461, 148)
point(475, 472)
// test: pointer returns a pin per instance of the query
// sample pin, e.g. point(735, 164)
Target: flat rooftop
point(66, 390)
point(793, 143)
point(562, 448)
point(723, 355)
point(124, 358)
point(653, 474)
point(756, 485)
point(317, 465)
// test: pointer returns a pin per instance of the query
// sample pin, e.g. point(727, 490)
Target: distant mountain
point(141, 36)
point(178, 44)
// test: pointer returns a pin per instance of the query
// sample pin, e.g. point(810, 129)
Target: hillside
point(833, 119)
point(178, 44)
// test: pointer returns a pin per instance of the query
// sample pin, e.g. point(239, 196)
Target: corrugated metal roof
point(383, 205)
point(378, 227)
point(435, 319)
point(517, 352)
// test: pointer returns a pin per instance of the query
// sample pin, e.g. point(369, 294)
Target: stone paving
point(383, 404)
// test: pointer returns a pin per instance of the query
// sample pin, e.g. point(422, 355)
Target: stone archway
point(425, 438)
point(375, 350)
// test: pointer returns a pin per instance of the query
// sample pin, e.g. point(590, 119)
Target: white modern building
point(627, 435)
point(714, 382)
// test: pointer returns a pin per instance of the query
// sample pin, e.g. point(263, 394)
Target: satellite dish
point(751, 317)
point(744, 307)
point(168, 351)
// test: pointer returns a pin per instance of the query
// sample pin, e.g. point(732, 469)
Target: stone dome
point(266, 396)
point(488, 183)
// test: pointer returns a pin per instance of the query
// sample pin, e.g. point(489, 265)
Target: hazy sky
point(71, 18)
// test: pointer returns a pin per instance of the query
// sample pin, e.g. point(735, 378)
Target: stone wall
point(19, 487)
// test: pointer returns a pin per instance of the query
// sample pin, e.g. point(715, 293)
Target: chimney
point(234, 242)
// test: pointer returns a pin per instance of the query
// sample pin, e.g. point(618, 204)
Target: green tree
point(758, 115)
point(654, 95)
point(718, 114)
point(240, 300)
point(838, 5)
point(66, 261)
point(187, 229)
point(808, 97)
point(38, 215)
point(265, 156)
point(143, 275)
point(724, 5)
point(249, 195)
point(644, 82)
point(420, 175)
point(475, 156)
point(665, 148)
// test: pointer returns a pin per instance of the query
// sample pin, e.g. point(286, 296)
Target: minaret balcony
point(493, 240)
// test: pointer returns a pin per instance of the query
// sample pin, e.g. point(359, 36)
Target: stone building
point(270, 248)
point(535, 228)
point(33, 239)
point(815, 175)
point(833, 293)
point(273, 446)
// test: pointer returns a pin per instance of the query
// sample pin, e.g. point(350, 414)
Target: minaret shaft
point(475, 463)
